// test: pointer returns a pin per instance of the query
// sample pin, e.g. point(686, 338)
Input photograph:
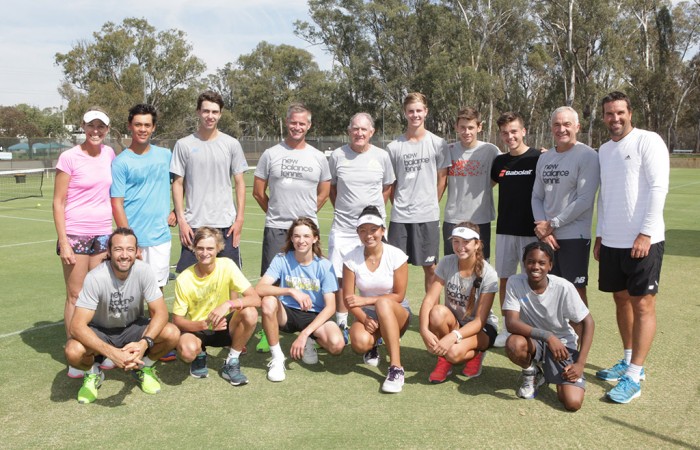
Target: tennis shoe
point(371, 358)
point(75, 373)
point(625, 391)
point(198, 367)
point(442, 370)
point(617, 371)
point(170, 356)
point(310, 355)
point(276, 370)
point(394, 380)
point(263, 346)
point(148, 379)
point(532, 380)
point(472, 368)
point(107, 364)
point(91, 383)
point(501, 339)
point(232, 372)
point(346, 332)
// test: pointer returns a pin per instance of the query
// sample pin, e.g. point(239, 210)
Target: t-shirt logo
point(118, 304)
point(291, 168)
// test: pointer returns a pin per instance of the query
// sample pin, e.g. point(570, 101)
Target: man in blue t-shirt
point(141, 191)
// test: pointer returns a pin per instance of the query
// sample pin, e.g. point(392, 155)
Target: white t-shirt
point(634, 175)
point(381, 281)
point(552, 310)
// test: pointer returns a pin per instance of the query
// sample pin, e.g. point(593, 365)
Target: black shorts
point(639, 276)
point(571, 261)
point(188, 259)
point(273, 243)
point(297, 320)
point(484, 235)
point(491, 332)
point(119, 337)
point(420, 241)
point(221, 338)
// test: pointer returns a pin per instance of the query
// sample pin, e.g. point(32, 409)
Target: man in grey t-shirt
point(202, 166)
point(298, 179)
point(109, 319)
point(566, 180)
point(420, 162)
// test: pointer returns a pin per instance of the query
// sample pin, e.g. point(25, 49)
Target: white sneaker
point(501, 338)
point(107, 364)
point(75, 373)
point(371, 358)
point(532, 380)
point(310, 355)
point(276, 370)
point(394, 380)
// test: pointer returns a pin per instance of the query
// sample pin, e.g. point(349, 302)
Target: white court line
point(25, 218)
point(684, 185)
point(27, 243)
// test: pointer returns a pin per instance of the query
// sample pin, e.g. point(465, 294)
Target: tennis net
point(15, 184)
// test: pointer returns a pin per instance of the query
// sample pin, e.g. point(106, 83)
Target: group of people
point(545, 211)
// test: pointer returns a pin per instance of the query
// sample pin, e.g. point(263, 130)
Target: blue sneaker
point(616, 372)
point(625, 391)
point(198, 367)
point(232, 372)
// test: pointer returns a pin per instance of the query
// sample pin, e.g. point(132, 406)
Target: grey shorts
point(420, 241)
point(119, 337)
point(552, 368)
point(273, 242)
point(372, 314)
point(509, 253)
point(187, 257)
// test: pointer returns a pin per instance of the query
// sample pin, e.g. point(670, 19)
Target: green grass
point(338, 402)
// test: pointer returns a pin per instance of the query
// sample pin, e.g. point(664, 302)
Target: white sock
point(94, 369)
point(233, 354)
point(276, 351)
point(341, 318)
point(533, 367)
point(634, 371)
point(147, 362)
point(628, 355)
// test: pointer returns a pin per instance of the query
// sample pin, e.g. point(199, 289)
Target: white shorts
point(339, 244)
point(509, 253)
point(158, 257)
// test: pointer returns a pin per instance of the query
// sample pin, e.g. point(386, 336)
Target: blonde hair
point(208, 232)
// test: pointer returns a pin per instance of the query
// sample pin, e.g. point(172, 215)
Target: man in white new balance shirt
point(634, 175)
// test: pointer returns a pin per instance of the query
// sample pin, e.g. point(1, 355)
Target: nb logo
point(580, 280)
point(430, 259)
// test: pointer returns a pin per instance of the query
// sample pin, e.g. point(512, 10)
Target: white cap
point(464, 233)
point(92, 115)
point(370, 218)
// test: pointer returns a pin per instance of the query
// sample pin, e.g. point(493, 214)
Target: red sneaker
point(472, 368)
point(442, 370)
point(170, 356)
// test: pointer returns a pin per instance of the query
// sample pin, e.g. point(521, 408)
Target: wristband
point(149, 341)
point(540, 334)
point(231, 305)
point(459, 336)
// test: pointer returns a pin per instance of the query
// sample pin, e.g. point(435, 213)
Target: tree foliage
point(128, 63)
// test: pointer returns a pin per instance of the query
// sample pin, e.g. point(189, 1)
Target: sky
point(33, 31)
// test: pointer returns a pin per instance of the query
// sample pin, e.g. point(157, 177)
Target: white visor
point(464, 233)
point(92, 115)
point(370, 218)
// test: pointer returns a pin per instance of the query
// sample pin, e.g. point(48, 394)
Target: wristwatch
point(459, 335)
point(149, 341)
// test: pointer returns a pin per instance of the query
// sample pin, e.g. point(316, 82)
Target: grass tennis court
point(338, 402)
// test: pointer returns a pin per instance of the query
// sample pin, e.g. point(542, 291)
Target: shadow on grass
point(652, 434)
point(46, 337)
point(682, 242)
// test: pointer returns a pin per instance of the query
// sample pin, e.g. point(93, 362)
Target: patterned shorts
point(86, 245)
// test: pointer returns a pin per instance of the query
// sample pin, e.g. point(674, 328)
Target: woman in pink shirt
point(82, 211)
